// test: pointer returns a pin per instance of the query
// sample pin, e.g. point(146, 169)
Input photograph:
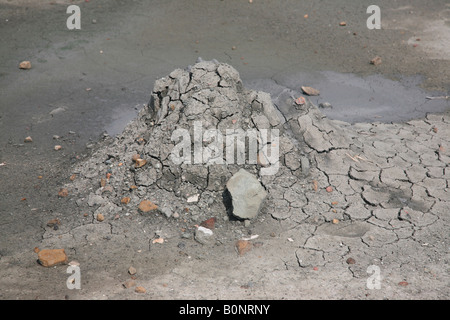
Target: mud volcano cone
point(200, 128)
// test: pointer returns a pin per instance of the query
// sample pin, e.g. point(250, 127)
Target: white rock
point(193, 198)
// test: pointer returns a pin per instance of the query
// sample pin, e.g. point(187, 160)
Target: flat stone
point(310, 91)
point(146, 206)
point(125, 200)
point(25, 65)
point(140, 163)
point(63, 192)
point(204, 236)
point(132, 270)
point(209, 223)
point(166, 211)
point(52, 257)
point(247, 194)
point(140, 289)
point(243, 246)
point(129, 283)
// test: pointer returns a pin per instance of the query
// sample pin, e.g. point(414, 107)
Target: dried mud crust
point(376, 193)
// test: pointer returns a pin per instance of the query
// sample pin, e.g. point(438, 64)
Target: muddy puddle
point(358, 99)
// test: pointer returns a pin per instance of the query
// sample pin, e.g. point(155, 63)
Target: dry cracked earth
point(354, 211)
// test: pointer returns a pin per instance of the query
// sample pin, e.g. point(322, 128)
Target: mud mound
point(210, 171)
point(200, 127)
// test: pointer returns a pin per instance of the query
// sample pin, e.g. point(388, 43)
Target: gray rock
point(247, 194)
point(166, 211)
point(204, 236)
point(94, 199)
point(325, 105)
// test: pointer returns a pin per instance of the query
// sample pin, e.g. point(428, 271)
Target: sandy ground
point(103, 74)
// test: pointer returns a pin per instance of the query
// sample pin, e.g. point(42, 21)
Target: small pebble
point(25, 65)
point(129, 283)
point(132, 270)
point(140, 289)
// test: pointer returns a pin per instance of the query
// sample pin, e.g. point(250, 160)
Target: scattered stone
point(193, 198)
point(63, 192)
point(335, 221)
point(125, 200)
point(325, 105)
point(247, 194)
point(100, 217)
point(403, 283)
point(57, 110)
point(342, 23)
point(132, 270)
point(52, 257)
point(243, 246)
point(129, 283)
point(166, 211)
point(94, 199)
point(73, 177)
point(376, 61)
point(36, 249)
point(28, 139)
point(135, 157)
point(57, 147)
point(315, 185)
point(140, 289)
point(350, 261)
point(204, 236)
point(53, 222)
point(329, 189)
point(158, 240)
point(209, 223)
point(74, 263)
point(25, 65)
point(300, 101)
point(310, 91)
point(140, 163)
point(146, 206)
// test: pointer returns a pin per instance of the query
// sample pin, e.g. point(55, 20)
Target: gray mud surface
point(361, 186)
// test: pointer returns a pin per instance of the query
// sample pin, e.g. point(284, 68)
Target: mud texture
point(345, 200)
point(389, 180)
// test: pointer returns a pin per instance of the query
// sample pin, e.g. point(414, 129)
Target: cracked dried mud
point(341, 203)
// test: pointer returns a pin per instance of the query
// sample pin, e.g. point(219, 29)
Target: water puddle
point(358, 99)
